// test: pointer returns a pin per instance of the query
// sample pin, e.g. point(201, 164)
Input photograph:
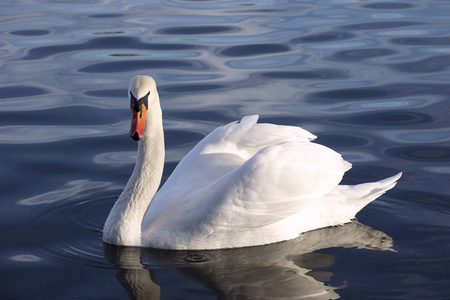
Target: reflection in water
point(275, 271)
point(139, 282)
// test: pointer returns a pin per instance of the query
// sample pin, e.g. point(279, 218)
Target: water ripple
point(74, 230)
point(399, 118)
point(389, 5)
point(252, 50)
point(45, 134)
point(433, 64)
point(381, 25)
point(116, 158)
point(419, 136)
point(324, 37)
point(19, 91)
point(72, 189)
point(106, 16)
point(30, 32)
point(198, 30)
point(366, 54)
point(108, 93)
point(318, 74)
point(192, 88)
point(139, 65)
point(422, 41)
point(105, 43)
point(427, 153)
point(376, 93)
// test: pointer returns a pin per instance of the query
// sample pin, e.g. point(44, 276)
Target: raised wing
point(223, 151)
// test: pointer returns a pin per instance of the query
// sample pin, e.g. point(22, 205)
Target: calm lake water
point(370, 78)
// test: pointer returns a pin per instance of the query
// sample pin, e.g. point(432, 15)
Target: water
point(370, 78)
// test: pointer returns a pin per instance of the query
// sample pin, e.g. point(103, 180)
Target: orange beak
point(138, 123)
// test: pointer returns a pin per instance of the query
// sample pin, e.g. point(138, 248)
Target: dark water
point(370, 78)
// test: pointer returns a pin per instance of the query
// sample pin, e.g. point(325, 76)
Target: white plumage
point(245, 184)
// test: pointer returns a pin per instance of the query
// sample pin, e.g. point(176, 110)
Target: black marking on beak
point(136, 104)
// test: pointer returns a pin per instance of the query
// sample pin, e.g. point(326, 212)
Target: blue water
point(370, 78)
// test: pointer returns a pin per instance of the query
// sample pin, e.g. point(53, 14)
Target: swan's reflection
point(275, 271)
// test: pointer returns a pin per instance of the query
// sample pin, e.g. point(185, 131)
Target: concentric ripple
point(76, 229)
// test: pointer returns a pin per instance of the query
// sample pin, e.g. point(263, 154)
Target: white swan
point(245, 184)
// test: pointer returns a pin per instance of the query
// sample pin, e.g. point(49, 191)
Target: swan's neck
point(123, 226)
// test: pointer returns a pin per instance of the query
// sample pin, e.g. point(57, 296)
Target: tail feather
point(362, 194)
point(366, 189)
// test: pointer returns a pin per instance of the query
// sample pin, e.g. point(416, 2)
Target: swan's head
point(141, 93)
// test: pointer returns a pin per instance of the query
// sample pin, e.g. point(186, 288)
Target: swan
point(245, 184)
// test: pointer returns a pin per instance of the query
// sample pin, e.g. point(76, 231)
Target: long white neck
point(123, 226)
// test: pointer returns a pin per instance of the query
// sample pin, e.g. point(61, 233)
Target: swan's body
point(245, 184)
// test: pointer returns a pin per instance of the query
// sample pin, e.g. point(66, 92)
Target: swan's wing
point(277, 182)
point(224, 150)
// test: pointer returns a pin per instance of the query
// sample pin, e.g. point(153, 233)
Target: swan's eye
point(136, 104)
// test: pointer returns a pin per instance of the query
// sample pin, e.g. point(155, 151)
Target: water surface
point(370, 78)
